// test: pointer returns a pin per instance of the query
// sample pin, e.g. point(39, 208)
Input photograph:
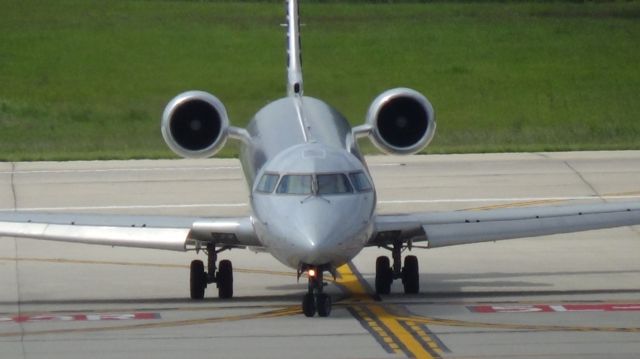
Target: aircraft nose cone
point(323, 231)
point(314, 230)
point(315, 239)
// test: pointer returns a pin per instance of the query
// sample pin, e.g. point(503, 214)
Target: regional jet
point(312, 198)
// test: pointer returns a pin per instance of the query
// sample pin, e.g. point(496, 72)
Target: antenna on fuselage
point(294, 53)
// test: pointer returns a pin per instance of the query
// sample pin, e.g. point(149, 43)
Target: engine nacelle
point(195, 124)
point(401, 121)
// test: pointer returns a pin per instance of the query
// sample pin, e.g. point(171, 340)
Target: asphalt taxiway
point(565, 296)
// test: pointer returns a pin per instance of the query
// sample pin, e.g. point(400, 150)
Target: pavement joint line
point(583, 179)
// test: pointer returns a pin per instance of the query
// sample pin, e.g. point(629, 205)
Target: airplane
point(312, 198)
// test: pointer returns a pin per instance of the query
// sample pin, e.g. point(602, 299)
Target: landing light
point(311, 273)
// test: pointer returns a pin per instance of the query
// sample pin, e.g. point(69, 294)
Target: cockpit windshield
point(267, 183)
point(295, 184)
point(321, 184)
point(333, 184)
point(360, 181)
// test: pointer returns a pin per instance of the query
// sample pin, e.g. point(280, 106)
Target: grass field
point(89, 79)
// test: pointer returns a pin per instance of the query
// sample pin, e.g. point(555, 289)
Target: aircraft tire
point(411, 275)
point(308, 305)
point(323, 302)
point(197, 280)
point(225, 279)
point(384, 275)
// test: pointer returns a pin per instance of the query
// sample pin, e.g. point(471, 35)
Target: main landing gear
point(385, 273)
point(223, 277)
point(315, 300)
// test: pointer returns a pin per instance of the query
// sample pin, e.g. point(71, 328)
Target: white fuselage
point(316, 204)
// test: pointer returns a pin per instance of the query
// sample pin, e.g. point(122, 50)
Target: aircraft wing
point(441, 229)
point(159, 232)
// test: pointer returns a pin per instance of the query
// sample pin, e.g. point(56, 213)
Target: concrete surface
point(568, 296)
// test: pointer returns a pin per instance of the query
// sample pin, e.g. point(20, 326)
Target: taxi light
point(311, 273)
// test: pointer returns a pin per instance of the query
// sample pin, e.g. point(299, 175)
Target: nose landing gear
point(386, 274)
point(222, 274)
point(315, 300)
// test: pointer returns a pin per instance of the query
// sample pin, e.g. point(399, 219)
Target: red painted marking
point(78, 317)
point(550, 308)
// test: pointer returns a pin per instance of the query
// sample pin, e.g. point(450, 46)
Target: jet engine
point(195, 124)
point(401, 121)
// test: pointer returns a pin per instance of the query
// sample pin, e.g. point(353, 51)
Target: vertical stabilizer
point(294, 53)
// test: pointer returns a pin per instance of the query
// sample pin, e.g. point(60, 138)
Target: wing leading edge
point(441, 229)
point(157, 232)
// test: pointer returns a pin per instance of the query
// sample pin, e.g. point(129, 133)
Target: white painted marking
point(558, 308)
point(150, 169)
point(79, 317)
point(152, 206)
point(517, 309)
point(244, 204)
point(387, 165)
point(510, 199)
point(625, 307)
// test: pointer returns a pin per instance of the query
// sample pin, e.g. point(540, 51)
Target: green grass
point(89, 79)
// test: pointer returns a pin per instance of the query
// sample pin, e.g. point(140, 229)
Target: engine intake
point(195, 124)
point(402, 121)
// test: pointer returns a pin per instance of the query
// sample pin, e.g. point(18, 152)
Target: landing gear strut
point(386, 274)
point(315, 300)
point(222, 275)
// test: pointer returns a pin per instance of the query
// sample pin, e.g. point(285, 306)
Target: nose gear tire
point(309, 305)
point(323, 302)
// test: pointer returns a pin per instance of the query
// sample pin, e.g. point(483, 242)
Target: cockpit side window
point(360, 181)
point(267, 183)
point(295, 184)
point(333, 184)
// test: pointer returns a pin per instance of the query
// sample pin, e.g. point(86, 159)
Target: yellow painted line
point(148, 309)
point(353, 285)
point(514, 204)
point(350, 281)
point(391, 322)
point(547, 201)
point(287, 311)
point(532, 327)
point(139, 264)
point(621, 194)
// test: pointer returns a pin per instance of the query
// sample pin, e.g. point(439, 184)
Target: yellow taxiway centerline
point(352, 283)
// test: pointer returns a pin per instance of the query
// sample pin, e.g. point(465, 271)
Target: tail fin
point(294, 53)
